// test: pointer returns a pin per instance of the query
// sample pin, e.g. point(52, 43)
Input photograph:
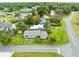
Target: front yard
point(59, 34)
point(36, 54)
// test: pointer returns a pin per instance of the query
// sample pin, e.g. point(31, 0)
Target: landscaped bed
point(36, 54)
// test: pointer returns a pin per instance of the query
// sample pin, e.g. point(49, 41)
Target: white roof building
point(37, 27)
point(52, 12)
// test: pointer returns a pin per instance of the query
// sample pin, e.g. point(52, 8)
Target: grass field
point(36, 54)
point(75, 24)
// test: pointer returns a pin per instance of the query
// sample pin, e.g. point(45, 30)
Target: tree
point(28, 20)
point(1, 8)
point(33, 12)
point(36, 19)
point(21, 26)
point(47, 27)
point(66, 11)
point(59, 11)
point(52, 38)
point(11, 9)
point(42, 10)
point(57, 19)
point(5, 36)
point(17, 13)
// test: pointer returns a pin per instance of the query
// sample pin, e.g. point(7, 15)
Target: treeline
point(66, 7)
point(16, 6)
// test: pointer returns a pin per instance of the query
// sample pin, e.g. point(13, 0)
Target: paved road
point(6, 54)
point(73, 40)
point(71, 49)
point(38, 48)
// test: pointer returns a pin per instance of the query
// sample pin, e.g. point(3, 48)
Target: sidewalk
point(5, 54)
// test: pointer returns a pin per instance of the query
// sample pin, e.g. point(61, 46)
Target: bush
point(52, 38)
point(13, 21)
point(37, 40)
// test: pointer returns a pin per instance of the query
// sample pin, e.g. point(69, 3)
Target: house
point(52, 12)
point(18, 18)
point(7, 26)
point(26, 10)
point(35, 7)
point(45, 16)
point(7, 14)
point(23, 15)
point(2, 14)
point(30, 34)
point(10, 14)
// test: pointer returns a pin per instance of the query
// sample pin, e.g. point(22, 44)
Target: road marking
point(58, 50)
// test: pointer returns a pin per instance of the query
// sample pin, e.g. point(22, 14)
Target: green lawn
point(66, 16)
point(59, 32)
point(75, 24)
point(8, 18)
point(36, 54)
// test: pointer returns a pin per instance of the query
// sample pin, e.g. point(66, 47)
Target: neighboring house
point(10, 14)
point(52, 12)
point(30, 34)
point(2, 14)
point(7, 14)
point(18, 18)
point(23, 15)
point(26, 10)
point(35, 7)
point(45, 16)
point(7, 26)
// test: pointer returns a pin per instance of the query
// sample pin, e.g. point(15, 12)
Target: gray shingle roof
point(35, 33)
point(5, 26)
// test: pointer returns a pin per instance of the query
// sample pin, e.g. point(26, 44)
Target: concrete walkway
point(5, 54)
